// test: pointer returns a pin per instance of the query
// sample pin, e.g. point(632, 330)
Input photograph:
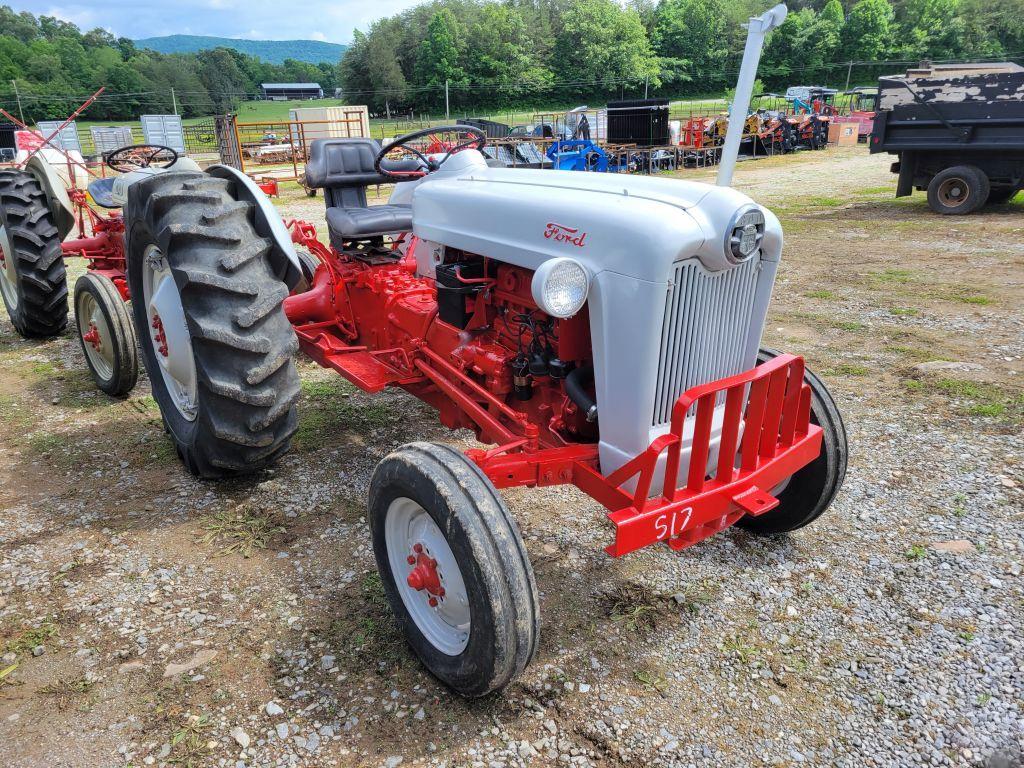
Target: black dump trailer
point(958, 132)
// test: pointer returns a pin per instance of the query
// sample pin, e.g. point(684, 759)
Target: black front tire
point(958, 191)
point(813, 488)
point(38, 306)
point(489, 550)
point(116, 372)
point(243, 346)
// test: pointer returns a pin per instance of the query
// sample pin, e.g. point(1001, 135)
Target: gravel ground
point(150, 619)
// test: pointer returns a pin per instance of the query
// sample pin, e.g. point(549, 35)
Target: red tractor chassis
point(376, 323)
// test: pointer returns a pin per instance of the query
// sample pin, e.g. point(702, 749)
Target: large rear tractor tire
point(33, 282)
point(107, 334)
point(208, 312)
point(454, 567)
point(812, 489)
point(959, 190)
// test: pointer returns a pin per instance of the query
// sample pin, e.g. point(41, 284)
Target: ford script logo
point(563, 234)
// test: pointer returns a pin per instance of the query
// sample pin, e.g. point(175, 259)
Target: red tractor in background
point(39, 209)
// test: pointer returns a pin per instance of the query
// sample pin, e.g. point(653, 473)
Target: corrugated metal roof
point(290, 86)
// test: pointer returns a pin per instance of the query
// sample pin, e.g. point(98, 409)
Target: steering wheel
point(400, 171)
point(135, 156)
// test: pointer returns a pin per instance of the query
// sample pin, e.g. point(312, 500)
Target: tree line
point(51, 65)
point(503, 53)
point(500, 54)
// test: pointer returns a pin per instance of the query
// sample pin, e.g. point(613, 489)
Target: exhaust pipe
point(757, 28)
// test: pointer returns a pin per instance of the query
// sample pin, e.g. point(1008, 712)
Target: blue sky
point(331, 20)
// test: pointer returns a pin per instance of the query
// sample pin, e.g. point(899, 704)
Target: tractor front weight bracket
point(766, 437)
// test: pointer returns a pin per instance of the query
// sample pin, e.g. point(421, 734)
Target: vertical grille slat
point(705, 326)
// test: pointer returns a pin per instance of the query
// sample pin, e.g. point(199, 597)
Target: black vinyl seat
point(343, 168)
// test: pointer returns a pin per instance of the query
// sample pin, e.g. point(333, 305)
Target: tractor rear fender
point(268, 223)
point(56, 193)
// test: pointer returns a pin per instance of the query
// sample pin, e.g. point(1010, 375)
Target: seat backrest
point(343, 168)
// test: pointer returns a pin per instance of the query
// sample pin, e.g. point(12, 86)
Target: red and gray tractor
point(590, 330)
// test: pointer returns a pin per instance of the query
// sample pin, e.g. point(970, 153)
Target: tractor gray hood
point(631, 225)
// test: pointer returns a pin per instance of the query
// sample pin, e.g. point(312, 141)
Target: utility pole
point(17, 95)
point(646, 78)
point(174, 101)
point(446, 104)
point(849, 71)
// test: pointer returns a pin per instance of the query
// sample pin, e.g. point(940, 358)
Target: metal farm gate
point(165, 130)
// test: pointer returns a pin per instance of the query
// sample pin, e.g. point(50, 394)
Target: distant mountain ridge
point(272, 51)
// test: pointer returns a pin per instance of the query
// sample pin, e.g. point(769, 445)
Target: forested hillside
point(509, 53)
point(54, 66)
point(272, 51)
point(536, 51)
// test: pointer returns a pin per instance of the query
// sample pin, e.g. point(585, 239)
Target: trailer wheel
point(959, 190)
point(33, 282)
point(106, 334)
point(454, 567)
point(208, 313)
point(809, 492)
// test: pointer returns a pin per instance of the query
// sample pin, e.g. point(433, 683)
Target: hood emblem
point(563, 234)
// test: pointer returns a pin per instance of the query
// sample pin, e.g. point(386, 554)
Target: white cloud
point(317, 36)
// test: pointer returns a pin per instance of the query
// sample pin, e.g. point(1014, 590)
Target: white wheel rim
point(409, 532)
point(97, 338)
point(168, 332)
point(8, 272)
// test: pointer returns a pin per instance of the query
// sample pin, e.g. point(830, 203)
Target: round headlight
point(744, 235)
point(560, 287)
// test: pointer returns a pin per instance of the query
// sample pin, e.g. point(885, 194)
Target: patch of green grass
point(824, 202)
point(976, 299)
point(652, 680)
point(912, 353)
point(366, 629)
point(25, 639)
point(820, 294)
point(903, 311)
point(916, 552)
point(876, 190)
point(849, 369)
point(45, 368)
point(974, 398)
point(892, 276)
point(241, 530)
point(329, 408)
point(847, 325)
point(743, 651)
point(189, 743)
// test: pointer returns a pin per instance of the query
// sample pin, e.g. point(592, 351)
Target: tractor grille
point(703, 337)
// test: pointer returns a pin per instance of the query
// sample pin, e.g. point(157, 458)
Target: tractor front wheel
point(107, 335)
point(808, 493)
point(454, 567)
point(208, 313)
point(33, 282)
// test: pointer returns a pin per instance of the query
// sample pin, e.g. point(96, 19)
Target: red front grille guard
point(771, 403)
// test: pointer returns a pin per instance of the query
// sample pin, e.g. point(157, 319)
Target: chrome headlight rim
point(734, 252)
point(555, 269)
